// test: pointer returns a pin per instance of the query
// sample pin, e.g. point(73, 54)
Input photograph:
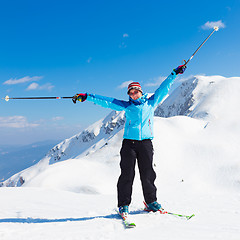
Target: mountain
point(71, 192)
point(203, 97)
point(212, 100)
point(88, 141)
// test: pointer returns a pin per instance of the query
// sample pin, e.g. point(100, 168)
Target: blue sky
point(59, 48)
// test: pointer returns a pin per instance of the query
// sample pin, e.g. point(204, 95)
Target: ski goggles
point(133, 93)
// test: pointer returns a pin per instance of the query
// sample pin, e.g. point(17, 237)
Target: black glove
point(81, 97)
point(180, 69)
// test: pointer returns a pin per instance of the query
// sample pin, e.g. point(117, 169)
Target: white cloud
point(89, 60)
point(125, 84)
point(22, 80)
point(16, 122)
point(36, 86)
point(33, 86)
point(229, 8)
point(123, 42)
point(211, 25)
point(57, 118)
point(122, 45)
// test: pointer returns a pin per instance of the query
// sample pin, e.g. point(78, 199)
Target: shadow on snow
point(44, 220)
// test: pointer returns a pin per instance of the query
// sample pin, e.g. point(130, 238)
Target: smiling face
point(135, 94)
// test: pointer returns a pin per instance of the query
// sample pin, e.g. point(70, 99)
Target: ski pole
point(7, 98)
point(215, 29)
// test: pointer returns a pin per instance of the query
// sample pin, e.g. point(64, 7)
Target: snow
point(71, 192)
point(40, 213)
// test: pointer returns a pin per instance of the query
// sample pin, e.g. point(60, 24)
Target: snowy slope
point(88, 141)
point(36, 214)
point(208, 97)
point(71, 193)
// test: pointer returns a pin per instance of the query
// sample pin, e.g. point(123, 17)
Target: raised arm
point(164, 88)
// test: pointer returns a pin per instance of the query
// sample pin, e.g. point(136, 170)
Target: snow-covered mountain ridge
point(95, 136)
point(208, 98)
point(203, 97)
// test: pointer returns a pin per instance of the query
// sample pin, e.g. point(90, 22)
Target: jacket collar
point(140, 100)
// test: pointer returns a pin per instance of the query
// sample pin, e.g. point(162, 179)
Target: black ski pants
point(142, 151)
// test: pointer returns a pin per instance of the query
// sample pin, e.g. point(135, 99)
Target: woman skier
point(137, 144)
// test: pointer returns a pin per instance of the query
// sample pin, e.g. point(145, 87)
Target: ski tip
point(189, 217)
point(131, 225)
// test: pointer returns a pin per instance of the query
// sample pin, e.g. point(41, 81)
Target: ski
point(126, 222)
point(162, 211)
point(181, 215)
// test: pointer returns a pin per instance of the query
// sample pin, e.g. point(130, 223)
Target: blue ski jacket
point(139, 113)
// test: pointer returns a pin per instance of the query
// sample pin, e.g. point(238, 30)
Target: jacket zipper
point(149, 124)
point(128, 127)
point(140, 127)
